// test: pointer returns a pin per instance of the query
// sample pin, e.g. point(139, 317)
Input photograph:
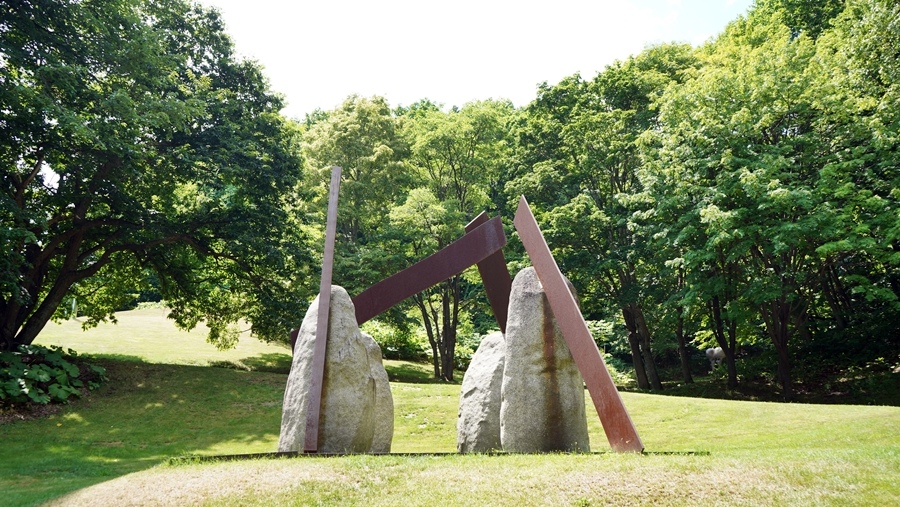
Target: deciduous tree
point(133, 140)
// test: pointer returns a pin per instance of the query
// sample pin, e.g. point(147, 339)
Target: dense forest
point(742, 194)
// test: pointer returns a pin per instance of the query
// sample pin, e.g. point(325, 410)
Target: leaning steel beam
point(617, 424)
point(472, 248)
point(495, 276)
point(318, 366)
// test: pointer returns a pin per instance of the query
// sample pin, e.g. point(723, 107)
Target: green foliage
point(146, 147)
point(466, 345)
point(40, 375)
point(396, 343)
point(805, 17)
point(770, 192)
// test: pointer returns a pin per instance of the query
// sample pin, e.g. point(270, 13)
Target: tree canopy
point(740, 194)
point(134, 142)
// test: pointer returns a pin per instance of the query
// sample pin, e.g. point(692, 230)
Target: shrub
point(621, 373)
point(41, 375)
point(466, 345)
point(395, 343)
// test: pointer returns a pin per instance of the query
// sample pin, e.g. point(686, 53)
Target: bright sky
point(318, 52)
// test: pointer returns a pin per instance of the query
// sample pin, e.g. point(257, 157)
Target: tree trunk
point(776, 316)
point(634, 343)
point(448, 333)
point(784, 371)
point(426, 319)
point(682, 348)
point(649, 361)
point(726, 340)
point(730, 360)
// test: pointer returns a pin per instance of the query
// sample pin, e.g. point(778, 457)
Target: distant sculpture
point(715, 356)
point(356, 413)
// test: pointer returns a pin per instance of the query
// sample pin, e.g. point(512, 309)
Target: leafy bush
point(621, 373)
point(466, 345)
point(395, 343)
point(41, 375)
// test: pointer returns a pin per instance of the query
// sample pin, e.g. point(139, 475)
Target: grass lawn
point(113, 447)
point(147, 335)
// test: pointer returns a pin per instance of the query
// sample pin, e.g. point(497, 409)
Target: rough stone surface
point(542, 397)
point(478, 425)
point(384, 402)
point(347, 420)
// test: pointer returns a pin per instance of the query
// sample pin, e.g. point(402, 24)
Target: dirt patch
point(192, 484)
point(27, 412)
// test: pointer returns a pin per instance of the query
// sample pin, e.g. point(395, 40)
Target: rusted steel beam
point(617, 424)
point(453, 259)
point(495, 276)
point(318, 365)
point(293, 338)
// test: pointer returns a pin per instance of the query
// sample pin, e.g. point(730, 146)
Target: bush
point(41, 375)
point(395, 343)
point(621, 373)
point(466, 345)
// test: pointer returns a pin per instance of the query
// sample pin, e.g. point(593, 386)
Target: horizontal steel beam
point(472, 248)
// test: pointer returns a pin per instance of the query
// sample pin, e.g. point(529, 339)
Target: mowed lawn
point(165, 401)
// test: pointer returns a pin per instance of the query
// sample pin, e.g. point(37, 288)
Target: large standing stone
point(542, 398)
point(478, 425)
point(347, 420)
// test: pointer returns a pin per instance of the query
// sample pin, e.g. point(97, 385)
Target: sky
point(318, 52)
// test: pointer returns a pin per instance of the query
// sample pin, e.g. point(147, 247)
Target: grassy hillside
point(147, 335)
point(112, 448)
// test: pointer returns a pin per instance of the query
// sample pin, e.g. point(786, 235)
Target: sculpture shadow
point(412, 373)
point(272, 362)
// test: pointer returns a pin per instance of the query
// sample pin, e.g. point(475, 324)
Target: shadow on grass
point(398, 371)
point(881, 388)
point(271, 363)
point(148, 413)
point(125, 358)
point(413, 373)
point(144, 415)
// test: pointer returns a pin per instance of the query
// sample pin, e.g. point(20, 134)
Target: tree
point(810, 18)
point(857, 87)
point(362, 136)
point(738, 166)
point(132, 141)
point(456, 158)
point(581, 140)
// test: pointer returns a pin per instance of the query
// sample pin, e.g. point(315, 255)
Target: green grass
point(112, 447)
point(147, 335)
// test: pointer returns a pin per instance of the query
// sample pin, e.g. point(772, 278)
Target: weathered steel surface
point(495, 276)
point(318, 366)
point(617, 424)
point(472, 248)
point(294, 334)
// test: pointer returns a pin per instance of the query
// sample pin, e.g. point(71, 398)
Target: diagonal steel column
point(617, 424)
point(472, 248)
point(495, 276)
point(311, 440)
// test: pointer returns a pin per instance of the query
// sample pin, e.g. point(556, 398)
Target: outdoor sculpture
point(542, 397)
point(357, 413)
point(481, 245)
